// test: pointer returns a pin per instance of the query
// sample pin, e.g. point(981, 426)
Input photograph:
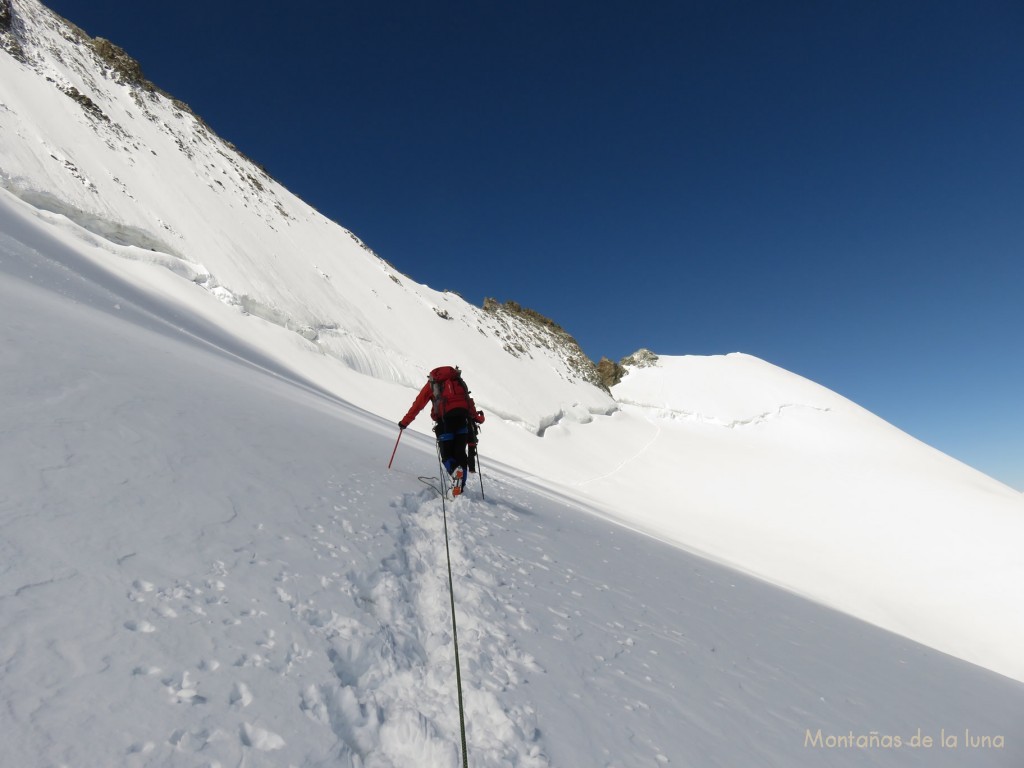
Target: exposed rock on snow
point(642, 358)
point(523, 330)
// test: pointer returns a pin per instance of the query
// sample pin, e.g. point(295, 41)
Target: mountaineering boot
point(458, 481)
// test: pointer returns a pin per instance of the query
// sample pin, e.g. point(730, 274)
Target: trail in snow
point(394, 696)
point(635, 456)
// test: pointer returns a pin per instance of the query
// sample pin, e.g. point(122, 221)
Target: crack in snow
point(680, 414)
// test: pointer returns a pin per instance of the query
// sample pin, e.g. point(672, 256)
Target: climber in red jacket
point(456, 419)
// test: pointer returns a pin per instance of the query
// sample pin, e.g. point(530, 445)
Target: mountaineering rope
point(455, 630)
point(429, 482)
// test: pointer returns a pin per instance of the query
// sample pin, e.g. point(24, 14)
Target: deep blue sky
point(836, 187)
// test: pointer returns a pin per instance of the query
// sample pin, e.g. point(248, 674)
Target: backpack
point(449, 391)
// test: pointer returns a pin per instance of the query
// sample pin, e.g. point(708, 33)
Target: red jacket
point(451, 398)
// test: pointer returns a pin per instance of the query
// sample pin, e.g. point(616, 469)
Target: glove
point(402, 425)
point(479, 418)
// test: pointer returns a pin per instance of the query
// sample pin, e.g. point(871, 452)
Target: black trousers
point(453, 432)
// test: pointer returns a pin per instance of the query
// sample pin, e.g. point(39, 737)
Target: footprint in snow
point(260, 738)
point(140, 626)
point(241, 696)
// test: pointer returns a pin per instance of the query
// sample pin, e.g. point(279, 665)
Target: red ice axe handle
point(400, 431)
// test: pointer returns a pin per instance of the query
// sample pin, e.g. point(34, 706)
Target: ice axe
point(400, 431)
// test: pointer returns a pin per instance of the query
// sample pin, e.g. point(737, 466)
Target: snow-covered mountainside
point(88, 139)
point(203, 559)
point(203, 562)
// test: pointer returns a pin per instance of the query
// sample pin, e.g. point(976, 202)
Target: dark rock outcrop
point(6, 16)
point(8, 40)
point(611, 373)
point(127, 69)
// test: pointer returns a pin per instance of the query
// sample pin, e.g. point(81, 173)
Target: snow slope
point(201, 381)
point(205, 563)
point(780, 477)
